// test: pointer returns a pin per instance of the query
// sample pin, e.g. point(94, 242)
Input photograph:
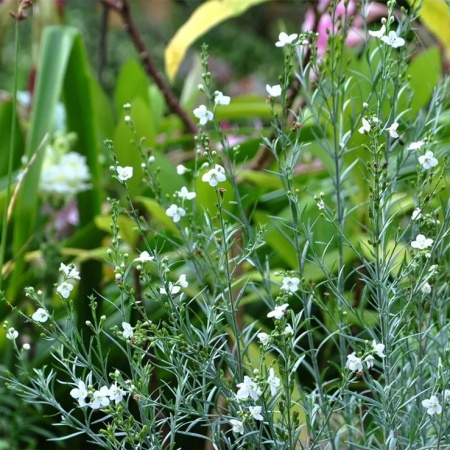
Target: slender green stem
point(12, 143)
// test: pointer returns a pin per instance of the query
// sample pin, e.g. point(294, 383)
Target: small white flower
point(428, 161)
point(175, 212)
point(278, 312)
point(432, 405)
point(425, 288)
point(248, 388)
point(173, 289)
point(181, 170)
point(263, 338)
point(69, 271)
point(274, 91)
point(369, 360)
point(416, 214)
point(12, 334)
point(238, 426)
point(144, 257)
point(127, 332)
point(182, 281)
point(214, 176)
point(380, 33)
point(393, 40)
point(80, 393)
point(124, 173)
point(416, 145)
point(255, 411)
point(116, 393)
point(320, 204)
point(273, 381)
point(290, 284)
point(64, 289)
point(203, 115)
point(220, 99)
point(378, 348)
point(126, 105)
point(393, 130)
point(26, 346)
point(184, 193)
point(40, 315)
point(151, 159)
point(288, 331)
point(365, 126)
point(127, 119)
point(354, 363)
point(100, 398)
point(285, 39)
point(421, 242)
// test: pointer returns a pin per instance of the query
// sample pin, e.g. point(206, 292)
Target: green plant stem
point(11, 152)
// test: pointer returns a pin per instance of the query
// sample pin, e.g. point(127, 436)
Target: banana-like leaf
point(205, 17)
point(435, 14)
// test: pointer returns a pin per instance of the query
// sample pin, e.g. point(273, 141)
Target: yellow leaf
point(435, 15)
point(205, 17)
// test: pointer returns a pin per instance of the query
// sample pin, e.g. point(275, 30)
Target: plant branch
point(123, 9)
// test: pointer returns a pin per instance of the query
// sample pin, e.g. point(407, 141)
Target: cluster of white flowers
point(392, 39)
point(64, 177)
point(175, 288)
point(367, 125)
point(99, 398)
point(69, 273)
point(355, 363)
point(427, 160)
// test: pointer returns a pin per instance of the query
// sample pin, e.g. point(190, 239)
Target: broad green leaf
point(5, 133)
point(435, 14)
point(205, 17)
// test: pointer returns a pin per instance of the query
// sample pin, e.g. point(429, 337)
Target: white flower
point(416, 214)
point(184, 193)
point(369, 360)
point(432, 405)
point(80, 393)
point(255, 411)
point(176, 212)
point(393, 130)
point(127, 332)
point(273, 381)
point(425, 288)
point(380, 33)
point(354, 363)
point(181, 170)
point(238, 426)
point(285, 39)
point(100, 398)
point(64, 289)
point(278, 312)
point(116, 393)
point(378, 348)
point(127, 119)
point(288, 331)
point(263, 338)
point(69, 271)
point(220, 99)
point(365, 126)
point(274, 91)
point(144, 257)
point(12, 334)
point(124, 173)
point(26, 346)
point(173, 289)
point(248, 389)
point(416, 145)
point(320, 204)
point(214, 176)
point(40, 315)
point(290, 284)
point(203, 115)
point(151, 159)
point(393, 40)
point(421, 242)
point(428, 160)
point(182, 281)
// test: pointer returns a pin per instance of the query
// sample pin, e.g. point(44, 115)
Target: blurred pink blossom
point(356, 34)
